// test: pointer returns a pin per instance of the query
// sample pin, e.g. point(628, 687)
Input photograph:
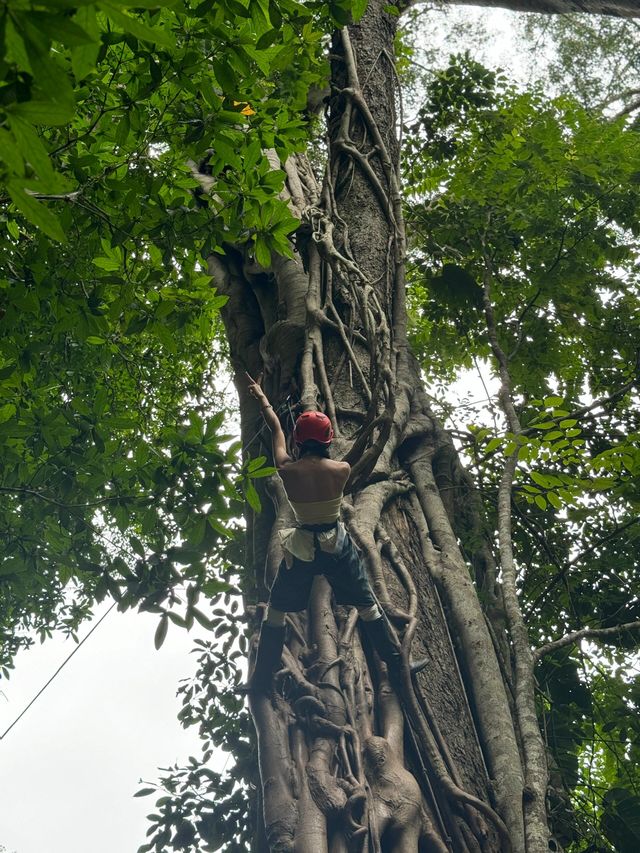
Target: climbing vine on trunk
point(345, 761)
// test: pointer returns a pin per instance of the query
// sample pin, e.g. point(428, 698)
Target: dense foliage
point(116, 477)
point(116, 474)
point(538, 199)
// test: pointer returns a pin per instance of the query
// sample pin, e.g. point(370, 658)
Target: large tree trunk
point(346, 764)
point(616, 8)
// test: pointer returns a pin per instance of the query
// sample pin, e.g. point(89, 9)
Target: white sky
point(69, 769)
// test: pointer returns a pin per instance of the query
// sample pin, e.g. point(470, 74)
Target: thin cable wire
point(59, 669)
point(278, 411)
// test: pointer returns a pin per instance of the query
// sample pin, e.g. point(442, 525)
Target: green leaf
point(550, 402)
point(493, 444)
point(540, 479)
point(359, 7)
point(256, 463)
point(554, 500)
point(155, 35)
point(144, 792)
point(35, 212)
point(95, 340)
point(253, 499)
point(7, 412)
point(32, 149)
point(214, 586)
point(267, 39)
point(263, 253)
point(161, 632)
point(60, 28)
point(111, 264)
point(49, 75)
point(225, 76)
point(268, 471)
point(43, 112)
point(9, 152)
point(136, 545)
point(540, 501)
point(219, 528)
point(83, 59)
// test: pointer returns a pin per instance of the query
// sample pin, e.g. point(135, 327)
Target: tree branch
point(582, 634)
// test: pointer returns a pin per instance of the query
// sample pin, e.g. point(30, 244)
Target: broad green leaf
point(256, 463)
point(9, 152)
point(43, 112)
point(7, 411)
point(35, 211)
point(60, 28)
point(33, 151)
point(83, 58)
point(359, 7)
point(263, 253)
point(130, 24)
point(253, 498)
point(161, 634)
point(225, 77)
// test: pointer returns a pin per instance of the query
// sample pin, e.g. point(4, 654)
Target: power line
point(59, 669)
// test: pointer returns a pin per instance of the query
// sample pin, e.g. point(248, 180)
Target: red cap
point(313, 426)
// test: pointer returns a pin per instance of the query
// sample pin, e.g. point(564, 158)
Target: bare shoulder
point(343, 470)
point(286, 467)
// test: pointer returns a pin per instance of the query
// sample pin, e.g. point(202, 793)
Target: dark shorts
point(344, 571)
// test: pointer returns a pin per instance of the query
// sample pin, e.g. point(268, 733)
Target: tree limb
point(582, 634)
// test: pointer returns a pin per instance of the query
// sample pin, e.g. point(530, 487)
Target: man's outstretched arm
point(280, 455)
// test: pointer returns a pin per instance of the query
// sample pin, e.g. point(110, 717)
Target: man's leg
point(347, 576)
point(378, 631)
point(290, 592)
point(269, 653)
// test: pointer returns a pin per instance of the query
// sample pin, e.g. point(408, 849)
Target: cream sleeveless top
point(300, 543)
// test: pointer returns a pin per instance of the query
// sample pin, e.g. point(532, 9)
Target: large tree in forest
point(173, 180)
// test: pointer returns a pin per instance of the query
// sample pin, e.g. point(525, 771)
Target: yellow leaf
point(247, 109)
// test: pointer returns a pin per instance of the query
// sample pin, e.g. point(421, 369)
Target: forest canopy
point(139, 140)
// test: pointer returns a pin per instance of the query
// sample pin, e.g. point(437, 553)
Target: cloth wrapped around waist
point(319, 527)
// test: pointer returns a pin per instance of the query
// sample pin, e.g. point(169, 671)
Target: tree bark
point(346, 762)
point(615, 8)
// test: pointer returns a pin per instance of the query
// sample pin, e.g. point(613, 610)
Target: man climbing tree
point(309, 254)
point(318, 545)
point(330, 321)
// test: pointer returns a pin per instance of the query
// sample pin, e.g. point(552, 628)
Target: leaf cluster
point(117, 478)
point(526, 206)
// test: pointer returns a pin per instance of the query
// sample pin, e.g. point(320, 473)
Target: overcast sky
point(70, 767)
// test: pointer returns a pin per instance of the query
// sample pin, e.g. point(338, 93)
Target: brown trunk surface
point(346, 764)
